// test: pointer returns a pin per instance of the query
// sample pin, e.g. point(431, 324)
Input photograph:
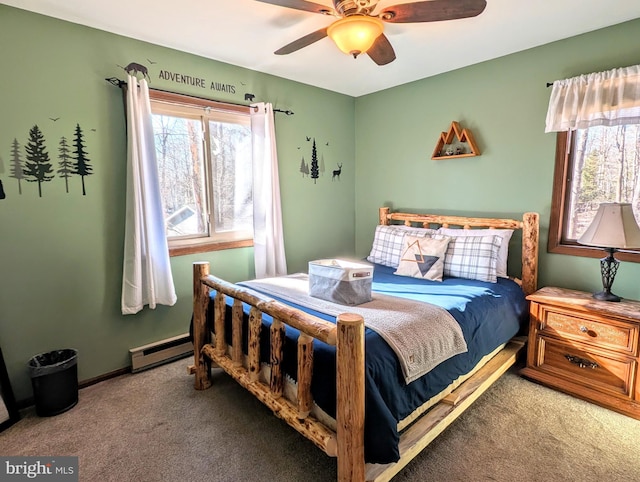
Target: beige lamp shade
point(355, 34)
point(614, 226)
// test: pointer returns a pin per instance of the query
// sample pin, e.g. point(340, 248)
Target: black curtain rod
point(549, 84)
point(121, 83)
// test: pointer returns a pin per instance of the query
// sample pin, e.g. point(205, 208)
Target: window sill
point(591, 252)
point(207, 247)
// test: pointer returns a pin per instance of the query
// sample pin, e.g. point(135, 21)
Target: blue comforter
point(489, 315)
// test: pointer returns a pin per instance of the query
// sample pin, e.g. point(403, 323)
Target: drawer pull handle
point(591, 333)
point(581, 362)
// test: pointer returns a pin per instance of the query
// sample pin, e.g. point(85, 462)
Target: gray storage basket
point(339, 281)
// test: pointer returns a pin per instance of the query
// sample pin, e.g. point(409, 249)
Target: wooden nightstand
point(587, 348)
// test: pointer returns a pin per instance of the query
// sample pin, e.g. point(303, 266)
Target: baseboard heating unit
point(160, 352)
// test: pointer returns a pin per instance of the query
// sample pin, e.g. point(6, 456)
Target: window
point(204, 164)
point(593, 165)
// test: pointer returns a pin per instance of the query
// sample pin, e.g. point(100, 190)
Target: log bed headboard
point(529, 226)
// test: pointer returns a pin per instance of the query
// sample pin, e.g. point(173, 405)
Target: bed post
point(382, 215)
point(350, 394)
point(200, 304)
point(530, 235)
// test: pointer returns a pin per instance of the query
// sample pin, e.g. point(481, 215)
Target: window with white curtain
point(597, 120)
point(205, 170)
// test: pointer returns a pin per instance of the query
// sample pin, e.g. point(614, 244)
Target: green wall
point(504, 103)
point(61, 254)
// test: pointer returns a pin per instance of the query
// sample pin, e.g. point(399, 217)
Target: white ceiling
point(247, 32)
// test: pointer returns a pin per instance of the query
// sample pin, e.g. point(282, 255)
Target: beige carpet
point(153, 426)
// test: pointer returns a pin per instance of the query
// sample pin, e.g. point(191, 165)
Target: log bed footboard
point(347, 335)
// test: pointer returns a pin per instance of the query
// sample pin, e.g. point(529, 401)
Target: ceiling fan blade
point(432, 11)
point(381, 52)
point(302, 42)
point(299, 5)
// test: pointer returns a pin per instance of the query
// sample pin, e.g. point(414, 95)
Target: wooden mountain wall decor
point(457, 142)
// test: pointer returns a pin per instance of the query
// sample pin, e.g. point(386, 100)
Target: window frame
point(185, 246)
point(559, 206)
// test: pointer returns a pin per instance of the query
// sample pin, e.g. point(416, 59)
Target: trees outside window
point(204, 165)
point(593, 165)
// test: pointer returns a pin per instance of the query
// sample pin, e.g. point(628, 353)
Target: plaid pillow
point(473, 257)
point(503, 254)
point(388, 242)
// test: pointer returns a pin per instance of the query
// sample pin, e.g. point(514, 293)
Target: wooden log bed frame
point(347, 335)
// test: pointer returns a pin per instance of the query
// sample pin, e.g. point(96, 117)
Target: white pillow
point(473, 257)
point(503, 254)
point(423, 257)
point(388, 243)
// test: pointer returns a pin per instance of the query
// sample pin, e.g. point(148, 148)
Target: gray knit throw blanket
point(421, 334)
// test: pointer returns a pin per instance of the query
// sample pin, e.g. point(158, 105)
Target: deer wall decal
point(337, 173)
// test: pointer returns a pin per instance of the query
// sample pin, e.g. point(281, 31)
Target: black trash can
point(54, 376)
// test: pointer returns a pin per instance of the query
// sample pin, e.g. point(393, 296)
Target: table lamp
point(614, 227)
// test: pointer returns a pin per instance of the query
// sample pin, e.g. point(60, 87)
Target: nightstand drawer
point(569, 325)
point(605, 373)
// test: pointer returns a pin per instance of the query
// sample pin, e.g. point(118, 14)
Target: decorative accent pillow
point(503, 254)
point(423, 257)
point(473, 257)
point(388, 242)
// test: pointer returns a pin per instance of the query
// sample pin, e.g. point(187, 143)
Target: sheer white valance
point(608, 98)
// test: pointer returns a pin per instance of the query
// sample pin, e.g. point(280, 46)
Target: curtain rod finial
point(115, 81)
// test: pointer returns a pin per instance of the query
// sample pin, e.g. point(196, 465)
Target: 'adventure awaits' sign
point(196, 82)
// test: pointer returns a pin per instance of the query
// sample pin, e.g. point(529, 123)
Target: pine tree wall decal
point(314, 162)
point(2, 193)
point(38, 167)
point(16, 171)
point(303, 167)
point(65, 166)
point(82, 166)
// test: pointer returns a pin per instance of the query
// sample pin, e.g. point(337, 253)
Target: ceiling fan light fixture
point(355, 34)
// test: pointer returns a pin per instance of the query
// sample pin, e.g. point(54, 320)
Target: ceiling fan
point(358, 29)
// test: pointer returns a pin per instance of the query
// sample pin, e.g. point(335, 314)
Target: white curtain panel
point(146, 278)
point(608, 98)
point(268, 239)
